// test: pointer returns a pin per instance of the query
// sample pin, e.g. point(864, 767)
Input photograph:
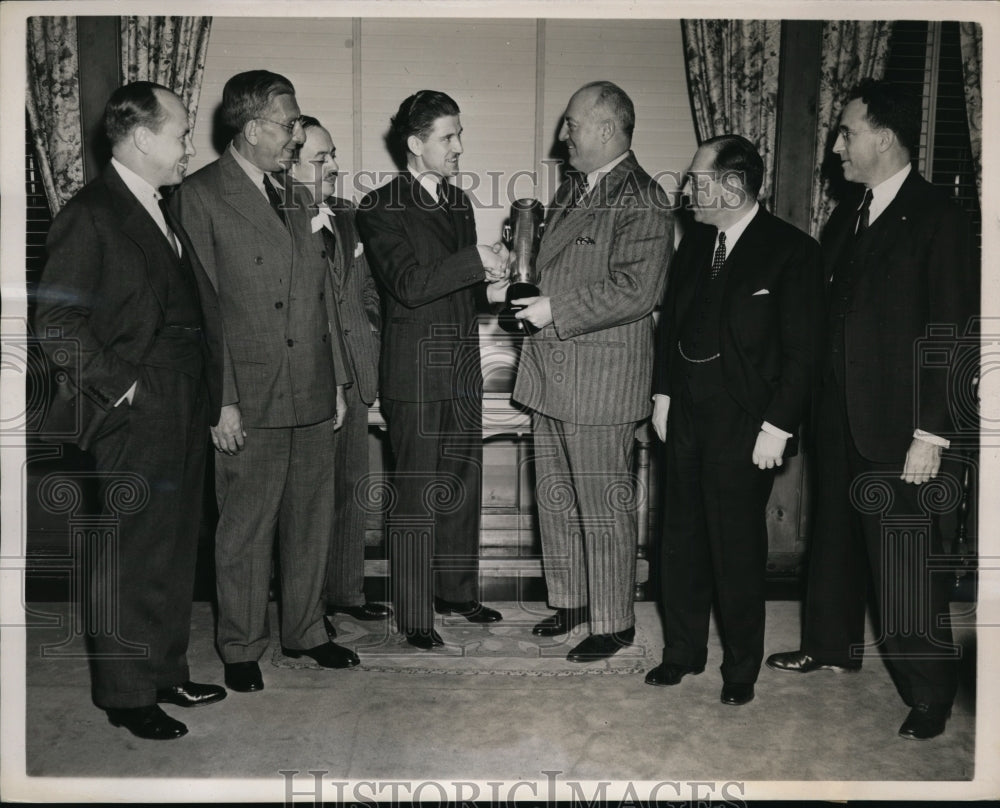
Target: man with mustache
point(357, 299)
point(139, 386)
point(283, 377)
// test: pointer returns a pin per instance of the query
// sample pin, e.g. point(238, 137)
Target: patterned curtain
point(53, 102)
point(852, 50)
point(732, 74)
point(168, 50)
point(971, 38)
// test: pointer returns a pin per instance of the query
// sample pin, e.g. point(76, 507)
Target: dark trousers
point(151, 455)
point(345, 574)
point(874, 526)
point(715, 536)
point(434, 514)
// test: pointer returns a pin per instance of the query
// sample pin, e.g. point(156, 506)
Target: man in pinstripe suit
point(356, 295)
point(586, 375)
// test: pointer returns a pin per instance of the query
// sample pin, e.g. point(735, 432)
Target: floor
point(560, 730)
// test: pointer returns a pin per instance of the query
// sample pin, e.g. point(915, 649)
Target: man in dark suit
point(735, 369)
point(420, 235)
point(284, 372)
point(139, 388)
point(360, 319)
point(586, 374)
point(898, 258)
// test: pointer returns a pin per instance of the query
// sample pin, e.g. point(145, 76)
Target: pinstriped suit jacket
point(604, 265)
point(358, 300)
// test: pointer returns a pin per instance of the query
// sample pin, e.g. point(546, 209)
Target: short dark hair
point(247, 95)
point(133, 105)
point(891, 106)
point(416, 116)
point(308, 121)
point(734, 154)
point(616, 101)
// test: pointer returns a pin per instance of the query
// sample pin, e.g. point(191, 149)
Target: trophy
point(527, 217)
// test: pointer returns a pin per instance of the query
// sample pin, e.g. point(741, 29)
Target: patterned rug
point(507, 648)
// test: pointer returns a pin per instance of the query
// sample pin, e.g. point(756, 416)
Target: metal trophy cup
point(527, 221)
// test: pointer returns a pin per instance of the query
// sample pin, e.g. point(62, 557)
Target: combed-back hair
point(734, 154)
point(891, 106)
point(133, 105)
point(247, 96)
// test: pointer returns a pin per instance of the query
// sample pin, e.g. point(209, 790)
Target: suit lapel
point(239, 191)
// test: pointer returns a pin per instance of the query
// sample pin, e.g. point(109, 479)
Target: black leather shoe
point(471, 610)
point(190, 694)
point(666, 674)
point(736, 694)
point(331, 632)
point(366, 611)
point(925, 721)
point(424, 640)
point(149, 722)
point(327, 655)
point(562, 622)
point(601, 646)
point(801, 662)
point(244, 677)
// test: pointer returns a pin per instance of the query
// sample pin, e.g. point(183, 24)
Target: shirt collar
point(885, 191)
point(255, 174)
point(595, 176)
point(735, 230)
point(139, 187)
point(429, 182)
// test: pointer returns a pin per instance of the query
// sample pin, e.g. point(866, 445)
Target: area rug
point(507, 648)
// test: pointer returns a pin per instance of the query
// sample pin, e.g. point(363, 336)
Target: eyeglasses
point(288, 127)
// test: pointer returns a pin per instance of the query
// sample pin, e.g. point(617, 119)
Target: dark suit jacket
point(102, 297)
point(358, 301)
point(425, 258)
point(916, 271)
point(266, 275)
point(604, 265)
point(772, 314)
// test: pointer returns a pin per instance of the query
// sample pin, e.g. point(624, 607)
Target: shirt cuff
point(771, 429)
point(944, 443)
point(128, 393)
point(664, 396)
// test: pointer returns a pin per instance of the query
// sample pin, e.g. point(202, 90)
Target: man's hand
point(767, 450)
point(537, 310)
point(341, 408)
point(923, 459)
point(228, 434)
point(661, 408)
point(496, 261)
point(496, 292)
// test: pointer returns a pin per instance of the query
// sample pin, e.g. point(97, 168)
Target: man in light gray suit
point(587, 374)
point(283, 378)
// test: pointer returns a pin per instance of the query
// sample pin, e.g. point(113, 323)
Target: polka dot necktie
point(720, 256)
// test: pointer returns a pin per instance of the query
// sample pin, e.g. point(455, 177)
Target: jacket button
point(290, 343)
point(347, 331)
point(279, 305)
point(259, 260)
point(321, 294)
point(324, 338)
point(322, 254)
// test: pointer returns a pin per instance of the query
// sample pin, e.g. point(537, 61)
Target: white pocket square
point(761, 292)
point(359, 249)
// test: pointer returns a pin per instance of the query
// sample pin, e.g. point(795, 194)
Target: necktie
point(720, 257)
point(172, 238)
point(274, 199)
point(580, 190)
point(862, 223)
point(443, 196)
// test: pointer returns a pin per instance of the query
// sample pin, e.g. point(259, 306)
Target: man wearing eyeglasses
point(283, 377)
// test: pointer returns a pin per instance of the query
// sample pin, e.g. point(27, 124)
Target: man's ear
point(885, 139)
point(141, 137)
point(415, 145)
point(608, 129)
point(251, 131)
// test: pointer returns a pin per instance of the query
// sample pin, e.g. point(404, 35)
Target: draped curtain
point(852, 50)
point(168, 50)
point(53, 104)
point(971, 40)
point(732, 74)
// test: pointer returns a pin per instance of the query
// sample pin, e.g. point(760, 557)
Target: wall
point(512, 79)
